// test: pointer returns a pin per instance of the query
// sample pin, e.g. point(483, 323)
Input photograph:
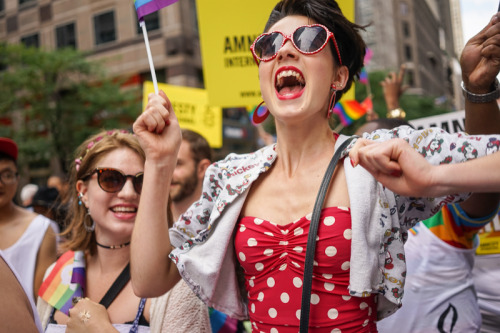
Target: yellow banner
point(489, 238)
point(192, 110)
point(227, 29)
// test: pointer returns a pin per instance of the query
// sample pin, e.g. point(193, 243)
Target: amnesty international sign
point(192, 110)
point(227, 30)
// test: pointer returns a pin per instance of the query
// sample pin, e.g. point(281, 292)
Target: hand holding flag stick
point(143, 8)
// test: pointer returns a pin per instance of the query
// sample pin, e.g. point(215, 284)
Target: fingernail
point(353, 163)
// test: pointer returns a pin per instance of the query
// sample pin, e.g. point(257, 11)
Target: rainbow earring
point(259, 117)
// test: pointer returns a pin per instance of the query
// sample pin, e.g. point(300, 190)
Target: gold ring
point(85, 316)
point(76, 300)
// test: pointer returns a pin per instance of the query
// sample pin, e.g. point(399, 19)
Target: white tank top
point(439, 292)
point(23, 253)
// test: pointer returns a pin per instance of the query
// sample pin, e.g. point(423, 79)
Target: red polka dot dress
point(273, 258)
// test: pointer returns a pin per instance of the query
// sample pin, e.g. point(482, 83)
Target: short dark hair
point(7, 157)
point(351, 45)
point(200, 149)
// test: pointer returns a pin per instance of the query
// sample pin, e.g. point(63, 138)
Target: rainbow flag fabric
point(349, 111)
point(145, 7)
point(65, 281)
point(221, 322)
point(363, 76)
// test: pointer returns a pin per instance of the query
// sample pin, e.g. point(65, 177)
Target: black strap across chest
point(116, 287)
point(311, 241)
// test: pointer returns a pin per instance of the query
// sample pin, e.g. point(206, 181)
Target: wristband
point(482, 98)
point(396, 113)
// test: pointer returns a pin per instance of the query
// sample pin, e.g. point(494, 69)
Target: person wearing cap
point(26, 239)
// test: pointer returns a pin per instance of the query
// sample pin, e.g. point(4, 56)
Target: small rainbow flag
point(65, 281)
point(368, 55)
point(145, 7)
point(221, 322)
point(363, 76)
point(349, 111)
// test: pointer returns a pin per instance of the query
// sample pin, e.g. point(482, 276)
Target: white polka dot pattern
point(273, 257)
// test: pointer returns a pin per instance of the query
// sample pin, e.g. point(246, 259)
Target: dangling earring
point(80, 196)
point(86, 219)
point(256, 117)
point(332, 101)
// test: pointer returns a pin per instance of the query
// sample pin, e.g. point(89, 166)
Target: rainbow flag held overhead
point(145, 7)
point(65, 281)
point(349, 111)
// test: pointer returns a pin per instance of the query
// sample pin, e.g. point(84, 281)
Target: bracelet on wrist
point(396, 113)
point(482, 98)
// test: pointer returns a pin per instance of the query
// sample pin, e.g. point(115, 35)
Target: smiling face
point(295, 85)
point(114, 213)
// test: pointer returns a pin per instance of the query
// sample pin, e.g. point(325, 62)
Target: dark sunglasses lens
point(138, 183)
point(268, 45)
point(310, 39)
point(111, 180)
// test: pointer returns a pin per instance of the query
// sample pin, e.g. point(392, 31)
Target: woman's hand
point(157, 128)
point(397, 166)
point(89, 316)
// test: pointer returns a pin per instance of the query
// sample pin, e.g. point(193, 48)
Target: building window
point(410, 77)
point(403, 8)
point(408, 53)
point(31, 40)
point(66, 36)
point(104, 27)
point(152, 22)
point(406, 29)
point(2, 5)
point(22, 2)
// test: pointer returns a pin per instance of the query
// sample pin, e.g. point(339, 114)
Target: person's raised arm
point(480, 63)
point(158, 131)
point(403, 170)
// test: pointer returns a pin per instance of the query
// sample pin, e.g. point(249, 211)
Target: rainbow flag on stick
point(65, 281)
point(349, 111)
point(145, 7)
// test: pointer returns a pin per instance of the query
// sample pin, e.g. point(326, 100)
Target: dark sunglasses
point(307, 39)
point(112, 180)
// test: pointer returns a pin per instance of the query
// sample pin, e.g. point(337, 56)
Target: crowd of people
point(149, 234)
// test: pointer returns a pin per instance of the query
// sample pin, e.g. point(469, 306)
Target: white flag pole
point(150, 58)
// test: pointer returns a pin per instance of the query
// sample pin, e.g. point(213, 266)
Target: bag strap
point(311, 240)
point(116, 287)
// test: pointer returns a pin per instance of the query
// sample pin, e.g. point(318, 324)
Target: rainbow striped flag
point(65, 281)
point(368, 56)
point(349, 111)
point(221, 322)
point(363, 76)
point(145, 7)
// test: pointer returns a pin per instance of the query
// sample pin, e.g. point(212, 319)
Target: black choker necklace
point(113, 247)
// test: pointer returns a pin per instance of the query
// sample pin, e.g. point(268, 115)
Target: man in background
point(193, 159)
point(195, 155)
